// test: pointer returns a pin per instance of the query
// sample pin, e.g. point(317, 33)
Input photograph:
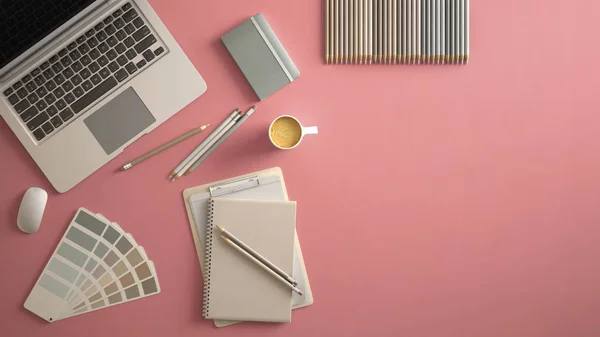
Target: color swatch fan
point(95, 265)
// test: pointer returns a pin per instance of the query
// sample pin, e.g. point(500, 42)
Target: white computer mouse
point(32, 209)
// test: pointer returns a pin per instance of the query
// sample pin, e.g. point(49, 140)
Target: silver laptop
point(80, 80)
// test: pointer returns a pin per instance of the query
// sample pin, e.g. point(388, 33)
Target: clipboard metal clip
point(234, 186)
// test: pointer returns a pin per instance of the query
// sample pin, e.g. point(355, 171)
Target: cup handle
point(310, 130)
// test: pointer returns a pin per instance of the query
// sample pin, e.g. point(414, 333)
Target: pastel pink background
point(436, 201)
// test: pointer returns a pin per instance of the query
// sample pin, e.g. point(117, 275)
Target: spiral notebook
point(234, 287)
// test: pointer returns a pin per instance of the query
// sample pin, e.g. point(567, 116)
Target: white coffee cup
point(286, 132)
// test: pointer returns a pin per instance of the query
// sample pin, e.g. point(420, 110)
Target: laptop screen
point(23, 23)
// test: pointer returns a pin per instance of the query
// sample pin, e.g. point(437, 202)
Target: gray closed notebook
point(235, 288)
point(261, 57)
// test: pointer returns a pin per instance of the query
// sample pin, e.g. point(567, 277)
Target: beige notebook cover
point(188, 193)
point(235, 287)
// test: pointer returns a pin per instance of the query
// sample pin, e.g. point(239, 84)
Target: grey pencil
point(462, 32)
point(163, 147)
point(336, 29)
point(345, 16)
point(404, 27)
point(203, 144)
point(356, 31)
point(380, 29)
point(254, 253)
point(220, 141)
point(467, 32)
point(437, 31)
point(260, 264)
point(327, 55)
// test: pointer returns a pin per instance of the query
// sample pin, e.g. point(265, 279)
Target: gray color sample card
point(261, 57)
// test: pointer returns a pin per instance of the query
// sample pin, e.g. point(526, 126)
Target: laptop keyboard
point(99, 60)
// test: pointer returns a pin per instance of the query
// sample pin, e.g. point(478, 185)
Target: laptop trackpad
point(119, 120)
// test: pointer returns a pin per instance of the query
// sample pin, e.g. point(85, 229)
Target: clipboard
point(267, 185)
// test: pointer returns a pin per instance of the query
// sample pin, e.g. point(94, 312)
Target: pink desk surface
point(436, 201)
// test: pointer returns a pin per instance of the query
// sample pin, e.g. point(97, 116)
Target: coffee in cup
point(286, 132)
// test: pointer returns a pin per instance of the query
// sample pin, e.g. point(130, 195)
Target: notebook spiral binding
point(208, 258)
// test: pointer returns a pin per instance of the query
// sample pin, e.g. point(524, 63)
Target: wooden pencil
point(327, 55)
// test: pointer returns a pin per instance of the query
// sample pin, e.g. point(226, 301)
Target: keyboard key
point(76, 67)
point(60, 104)
point(87, 85)
point(26, 78)
point(130, 28)
point(92, 42)
point(101, 36)
point(66, 61)
point(63, 52)
point(131, 68)
point(131, 54)
point(130, 15)
point(56, 122)
point(89, 33)
point(117, 13)
point(94, 94)
point(122, 60)
point(57, 67)
point(83, 49)
point(126, 6)
point(94, 54)
point(45, 65)
point(148, 55)
point(21, 106)
point(54, 59)
point(121, 35)
point(50, 85)
point(78, 92)
point(33, 98)
point(17, 85)
point(119, 23)
point(59, 79)
point(110, 30)
point(96, 79)
point(37, 121)
point(31, 86)
point(99, 27)
point(86, 60)
point(129, 42)
point(59, 92)
point(112, 54)
point(102, 48)
point(121, 75)
point(76, 80)
point(138, 22)
point(104, 73)
point(75, 55)
point(108, 20)
point(66, 114)
point(67, 86)
point(23, 92)
point(48, 128)
point(13, 99)
point(69, 98)
point(29, 114)
point(85, 73)
point(94, 67)
point(48, 74)
point(111, 41)
point(145, 43)
point(141, 33)
point(71, 46)
point(51, 111)
point(41, 91)
point(80, 39)
point(113, 66)
point(41, 105)
point(8, 92)
point(120, 48)
point(67, 73)
point(39, 134)
point(141, 63)
point(102, 61)
point(39, 80)
point(35, 72)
